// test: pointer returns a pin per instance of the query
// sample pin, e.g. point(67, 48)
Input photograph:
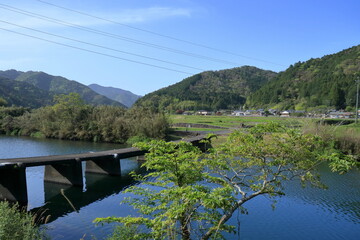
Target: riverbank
point(84, 122)
point(345, 134)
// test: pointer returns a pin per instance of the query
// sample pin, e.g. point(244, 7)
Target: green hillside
point(321, 83)
point(58, 85)
point(23, 94)
point(327, 82)
point(212, 90)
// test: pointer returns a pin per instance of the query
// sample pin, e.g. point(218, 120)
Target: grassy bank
point(231, 121)
point(345, 137)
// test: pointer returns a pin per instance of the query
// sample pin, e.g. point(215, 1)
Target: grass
point(197, 129)
point(230, 121)
point(354, 127)
point(219, 140)
point(347, 137)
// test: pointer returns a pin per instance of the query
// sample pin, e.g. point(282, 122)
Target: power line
point(100, 46)
point(357, 81)
point(116, 36)
point(157, 34)
point(95, 52)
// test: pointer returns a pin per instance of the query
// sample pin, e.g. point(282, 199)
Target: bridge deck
point(53, 159)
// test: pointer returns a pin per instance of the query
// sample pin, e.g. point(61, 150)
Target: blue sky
point(129, 52)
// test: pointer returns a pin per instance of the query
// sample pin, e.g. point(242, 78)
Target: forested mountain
point(58, 85)
point(327, 82)
point(10, 74)
point(125, 97)
point(23, 94)
point(212, 90)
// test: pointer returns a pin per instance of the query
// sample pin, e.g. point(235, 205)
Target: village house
point(285, 114)
point(203, 112)
point(238, 113)
point(340, 114)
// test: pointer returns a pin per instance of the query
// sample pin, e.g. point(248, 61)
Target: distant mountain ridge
point(224, 89)
point(23, 94)
point(325, 83)
point(125, 97)
point(10, 74)
point(57, 85)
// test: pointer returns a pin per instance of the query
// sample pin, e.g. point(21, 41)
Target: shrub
point(16, 224)
point(344, 138)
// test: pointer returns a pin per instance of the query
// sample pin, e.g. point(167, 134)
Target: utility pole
point(357, 100)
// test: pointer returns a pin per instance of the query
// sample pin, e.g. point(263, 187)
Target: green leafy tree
point(337, 96)
point(68, 102)
point(3, 102)
point(192, 196)
point(177, 179)
point(70, 118)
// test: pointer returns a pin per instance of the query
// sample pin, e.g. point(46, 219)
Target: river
point(303, 213)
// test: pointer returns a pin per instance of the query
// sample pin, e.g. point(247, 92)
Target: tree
point(3, 102)
point(68, 101)
point(190, 195)
point(177, 172)
point(337, 96)
point(71, 114)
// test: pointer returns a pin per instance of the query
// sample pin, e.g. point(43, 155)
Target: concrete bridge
point(98, 186)
point(64, 169)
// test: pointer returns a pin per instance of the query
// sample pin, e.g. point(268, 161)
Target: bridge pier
point(109, 165)
point(13, 184)
point(66, 169)
point(69, 173)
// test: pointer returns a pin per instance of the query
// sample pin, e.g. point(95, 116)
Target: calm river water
point(304, 213)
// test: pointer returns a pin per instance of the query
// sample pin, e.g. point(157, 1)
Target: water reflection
point(63, 199)
point(16, 147)
point(60, 199)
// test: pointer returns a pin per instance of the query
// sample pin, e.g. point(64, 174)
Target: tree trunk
point(185, 231)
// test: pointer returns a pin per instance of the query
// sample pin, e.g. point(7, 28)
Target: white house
point(238, 113)
point(285, 114)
